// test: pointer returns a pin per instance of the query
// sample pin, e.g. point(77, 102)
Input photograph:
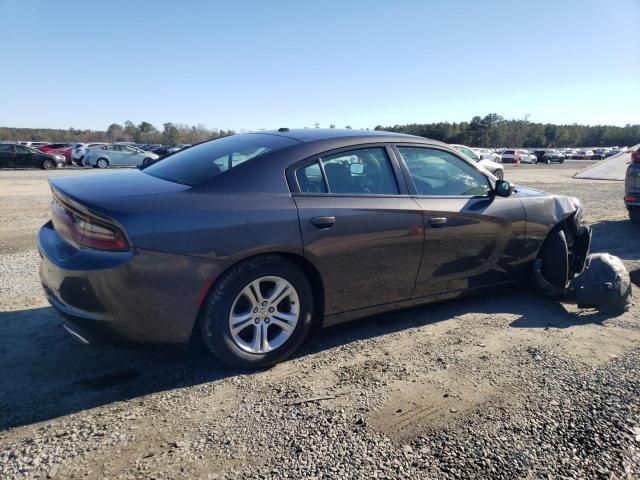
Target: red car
point(66, 152)
point(54, 146)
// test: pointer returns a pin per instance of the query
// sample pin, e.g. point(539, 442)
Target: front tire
point(102, 163)
point(48, 164)
point(555, 259)
point(499, 174)
point(257, 313)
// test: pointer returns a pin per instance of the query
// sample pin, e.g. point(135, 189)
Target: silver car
point(495, 168)
point(117, 155)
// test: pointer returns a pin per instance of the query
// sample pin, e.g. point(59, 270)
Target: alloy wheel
point(264, 315)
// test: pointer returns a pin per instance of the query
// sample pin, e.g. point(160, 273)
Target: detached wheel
point(258, 313)
point(634, 216)
point(102, 163)
point(48, 164)
point(555, 259)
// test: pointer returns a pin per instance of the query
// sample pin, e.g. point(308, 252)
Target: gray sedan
point(247, 241)
point(117, 155)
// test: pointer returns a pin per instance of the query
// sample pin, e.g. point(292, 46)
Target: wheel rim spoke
point(252, 313)
point(283, 325)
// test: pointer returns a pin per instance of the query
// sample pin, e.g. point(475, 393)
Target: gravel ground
point(510, 385)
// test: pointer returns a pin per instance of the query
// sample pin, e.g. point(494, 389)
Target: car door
point(131, 157)
point(472, 237)
point(359, 226)
point(25, 157)
point(6, 155)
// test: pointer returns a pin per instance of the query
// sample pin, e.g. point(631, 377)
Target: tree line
point(493, 130)
point(144, 132)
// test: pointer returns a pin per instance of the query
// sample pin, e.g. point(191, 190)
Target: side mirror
point(356, 168)
point(504, 188)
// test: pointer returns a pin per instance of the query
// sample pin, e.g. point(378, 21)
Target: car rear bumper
point(139, 296)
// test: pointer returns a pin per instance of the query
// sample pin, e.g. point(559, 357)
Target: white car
point(487, 154)
point(79, 150)
point(509, 156)
point(495, 168)
point(117, 155)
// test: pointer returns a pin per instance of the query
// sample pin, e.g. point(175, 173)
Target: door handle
point(438, 221)
point(322, 223)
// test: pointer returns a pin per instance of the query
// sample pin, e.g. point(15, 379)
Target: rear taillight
point(635, 156)
point(89, 231)
point(630, 199)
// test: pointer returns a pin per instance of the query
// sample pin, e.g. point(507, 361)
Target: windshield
point(207, 160)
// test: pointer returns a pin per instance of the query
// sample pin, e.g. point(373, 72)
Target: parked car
point(495, 168)
point(518, 155)
point(161, 150)
point(66, 152)
point(79, 150)
point(180, 146)
point(117, 155)
point(599, 154)
point(583, 154)
point(486, 154)
point(632, 187)
point(33, 144)
point(549, 156)
point(54, 146)
point(19, 156)
point(248, 240)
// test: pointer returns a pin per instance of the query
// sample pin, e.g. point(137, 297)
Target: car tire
point(102, 163)
point(147, 161)
point(49, 164)
point(499, 174)
point(634, 216)
point(555, 259)
point(548, 161)
point(239, 348)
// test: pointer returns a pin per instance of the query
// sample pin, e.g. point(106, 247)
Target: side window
point(439, 173)
point(365, 171)
point(310, 179)
point(21, 150)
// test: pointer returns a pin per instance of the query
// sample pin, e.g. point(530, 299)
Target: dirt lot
point(510, 385)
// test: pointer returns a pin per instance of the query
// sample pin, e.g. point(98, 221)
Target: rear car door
point(472, 237)
point(6, 155)
point(359, 226)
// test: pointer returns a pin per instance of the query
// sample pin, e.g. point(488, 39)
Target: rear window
point(508, 152)
point(207, 160)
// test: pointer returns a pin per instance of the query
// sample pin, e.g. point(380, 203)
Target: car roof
point(316, 134)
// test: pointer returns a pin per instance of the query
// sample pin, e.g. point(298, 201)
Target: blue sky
point(265, 64)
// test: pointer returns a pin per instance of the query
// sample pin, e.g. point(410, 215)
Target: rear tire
point(102, 163)
point(222, 304)
point(634, 216)
point(547, 161)
point(555, 259)
point(146, 162)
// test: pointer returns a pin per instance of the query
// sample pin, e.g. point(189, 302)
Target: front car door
point(131, 157)
point(360, 228)
point(26, 157)
point(472, 237)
